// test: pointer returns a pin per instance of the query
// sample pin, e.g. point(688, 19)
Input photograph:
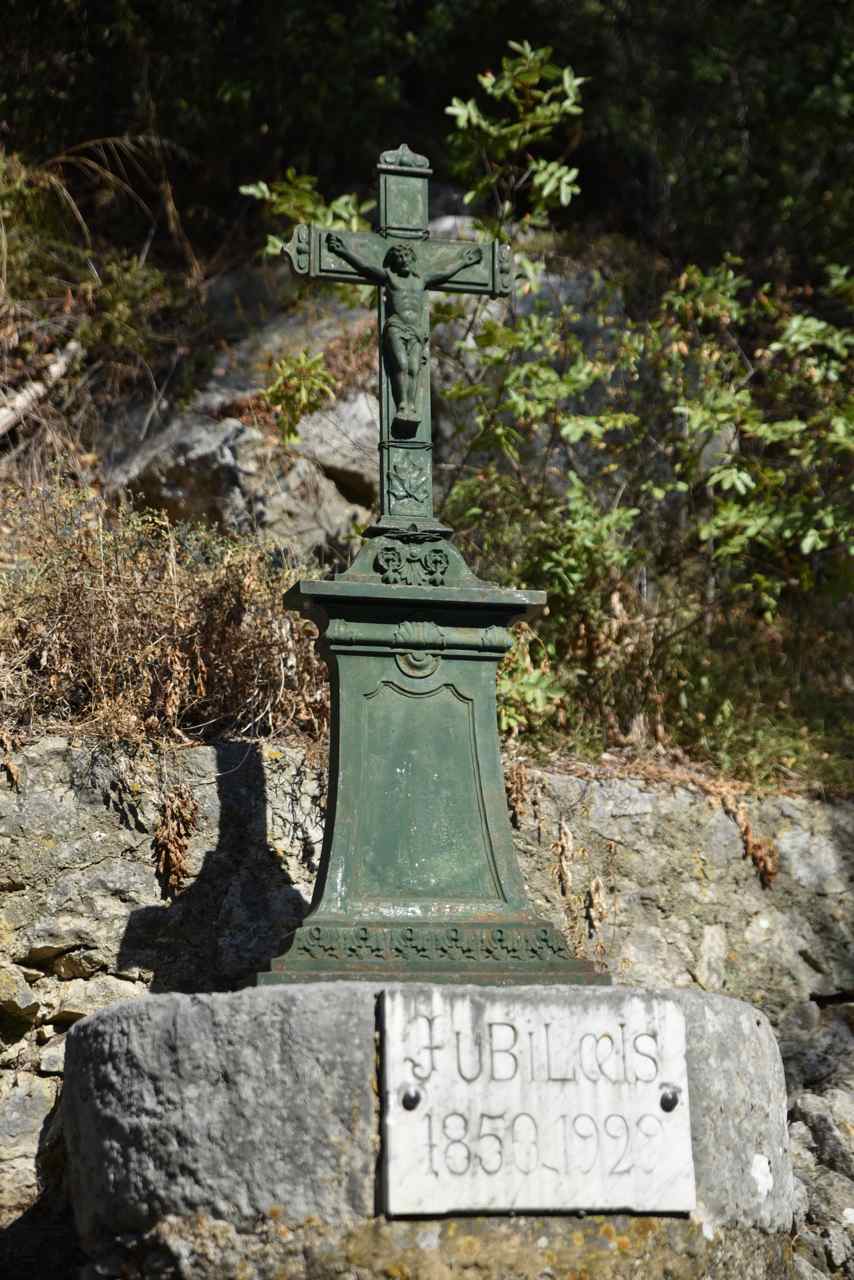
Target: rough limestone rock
point(17, 997)
point(83, 922)
point(25, 1105)
point(226, 473)
point(226, 1104)
point(822, 1132)
point(677, 901)
point(522, 1248)
point(342, 441)
point(52, 1057)
point(203, 462)
point(829, 1118)
point(738, 1114)
point(65, 1002)
point(817, 1047)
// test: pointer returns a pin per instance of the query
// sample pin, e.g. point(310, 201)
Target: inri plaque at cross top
point(418, 876)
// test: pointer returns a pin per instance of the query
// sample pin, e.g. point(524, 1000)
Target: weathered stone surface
point(84, 899)
point(821, 1135)
point(218, 470)
point(818, 1052)
point(712, 956)
point(204, 463)
point(24, 1108)
point(817, 1047)
point(680, 904)
point(804, 1270)
point(810, 849)
point(830, 1120)
point(304, 509)
point(521, 1248)
point(167, 1108)
point(52, 1057)
point(84, 916)
point(738, 1114)
point(342, 441)
point(224, 1105)
point(66, 1002)
point(17, 997)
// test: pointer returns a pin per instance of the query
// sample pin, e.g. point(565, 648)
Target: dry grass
point(119, 624)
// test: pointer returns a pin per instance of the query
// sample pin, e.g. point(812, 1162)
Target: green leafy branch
point(295, 198)
point(301, 385)
point(533, 98)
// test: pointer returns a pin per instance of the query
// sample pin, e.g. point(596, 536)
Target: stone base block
point(262, 1107)
point(488, 1248)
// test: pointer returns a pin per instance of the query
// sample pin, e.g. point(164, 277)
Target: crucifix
point(402, 259)
point(418, 877)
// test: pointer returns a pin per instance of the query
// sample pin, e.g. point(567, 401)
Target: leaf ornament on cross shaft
point(408, 482)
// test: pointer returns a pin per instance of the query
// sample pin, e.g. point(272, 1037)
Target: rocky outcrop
point(677, 900)
point(201, 1134)
point(213, 459)
point(26, 1103)
point(657, 878)
point(650, 876)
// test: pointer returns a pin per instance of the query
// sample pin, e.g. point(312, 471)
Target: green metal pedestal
point(418, 877)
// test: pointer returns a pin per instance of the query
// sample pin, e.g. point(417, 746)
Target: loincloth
point(402, 329)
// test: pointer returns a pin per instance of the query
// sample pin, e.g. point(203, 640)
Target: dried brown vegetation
point(118, 623)
point(179, 818)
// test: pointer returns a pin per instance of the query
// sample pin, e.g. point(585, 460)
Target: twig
point(37, 391)
point(143, 254)
point(159, 392)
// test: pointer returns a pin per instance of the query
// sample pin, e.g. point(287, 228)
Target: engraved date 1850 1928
point(459, 1144)
point(535, 1099)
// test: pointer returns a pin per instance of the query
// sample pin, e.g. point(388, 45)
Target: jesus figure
point(407, 326)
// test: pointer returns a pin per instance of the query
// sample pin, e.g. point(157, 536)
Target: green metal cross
point(405, 263)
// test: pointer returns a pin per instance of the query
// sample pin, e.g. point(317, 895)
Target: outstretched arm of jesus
point(337, 245)
point(465, 258)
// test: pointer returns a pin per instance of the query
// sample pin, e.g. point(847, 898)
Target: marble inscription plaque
point(512, 1100)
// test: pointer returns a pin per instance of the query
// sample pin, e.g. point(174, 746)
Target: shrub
point(61, 292)
point(679, 480)
point(118, 623)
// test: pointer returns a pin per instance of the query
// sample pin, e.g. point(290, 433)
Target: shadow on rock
point(42, 1243)
point(226, 925)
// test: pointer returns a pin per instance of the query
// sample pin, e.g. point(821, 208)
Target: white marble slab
point(534, 1099)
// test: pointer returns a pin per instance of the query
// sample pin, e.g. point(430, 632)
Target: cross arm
point(311, 256)
point(468, 257)
point(444, 265)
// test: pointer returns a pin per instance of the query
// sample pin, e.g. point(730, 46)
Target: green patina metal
point(403, 260)
point(418, 876)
